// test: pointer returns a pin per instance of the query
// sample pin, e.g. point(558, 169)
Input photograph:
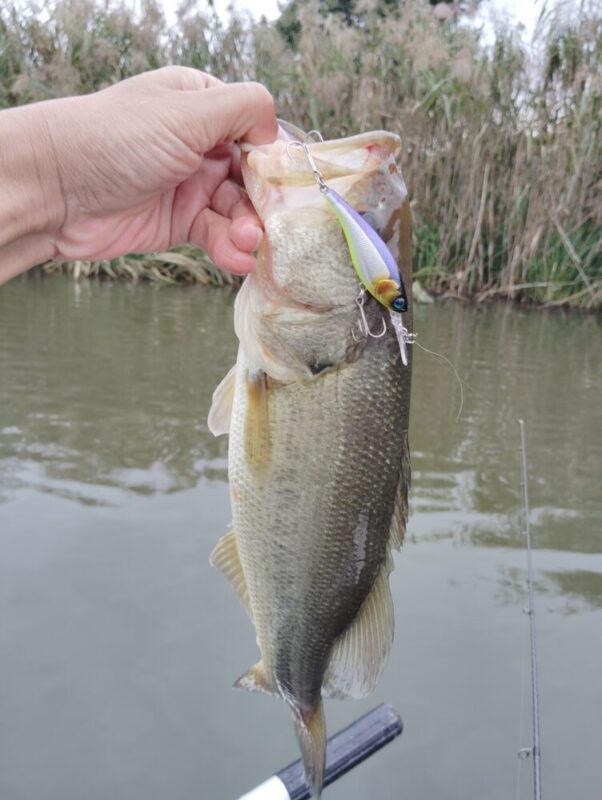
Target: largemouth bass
point(316, 408)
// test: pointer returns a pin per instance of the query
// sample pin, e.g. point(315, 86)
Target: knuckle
point(171, 71)
point(181, 77)
point(260, 95)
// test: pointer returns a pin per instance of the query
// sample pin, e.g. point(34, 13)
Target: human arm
point(144, 165)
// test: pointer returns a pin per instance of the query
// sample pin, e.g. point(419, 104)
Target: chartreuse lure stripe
point(375, 266)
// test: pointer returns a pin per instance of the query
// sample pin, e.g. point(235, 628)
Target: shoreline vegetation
point(502, 142)
point(185, 264)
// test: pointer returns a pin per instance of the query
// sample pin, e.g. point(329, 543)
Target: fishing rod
point(535, 749)
point(344, 751)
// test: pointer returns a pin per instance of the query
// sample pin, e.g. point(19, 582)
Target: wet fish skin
point(318, 463)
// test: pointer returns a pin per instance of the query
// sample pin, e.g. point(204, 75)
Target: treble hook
point(363, 323)
point(313, 135)
point(313, 166)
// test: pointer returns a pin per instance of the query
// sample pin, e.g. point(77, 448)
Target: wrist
point(32, 207)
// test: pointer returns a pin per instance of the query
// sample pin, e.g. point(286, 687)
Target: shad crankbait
point(375, 266)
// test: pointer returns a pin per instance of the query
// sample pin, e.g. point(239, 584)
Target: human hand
point(150, 163)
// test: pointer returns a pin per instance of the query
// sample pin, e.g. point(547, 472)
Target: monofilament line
point(536, 747)
point(453, 369)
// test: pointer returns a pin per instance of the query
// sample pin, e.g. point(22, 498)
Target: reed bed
point(502, 143)
point(181, 265)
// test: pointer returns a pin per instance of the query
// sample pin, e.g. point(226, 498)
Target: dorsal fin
point(400, 511)
point(360, 653)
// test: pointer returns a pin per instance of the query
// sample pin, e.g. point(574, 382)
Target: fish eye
point(399, 304)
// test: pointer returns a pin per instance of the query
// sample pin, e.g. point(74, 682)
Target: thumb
point(227, 113)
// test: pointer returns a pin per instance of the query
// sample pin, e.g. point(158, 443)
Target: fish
point(316, 408)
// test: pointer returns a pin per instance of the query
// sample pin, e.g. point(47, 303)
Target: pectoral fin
point(257, 431)
point(226, 558)
point(360, 653)
point(220, 412)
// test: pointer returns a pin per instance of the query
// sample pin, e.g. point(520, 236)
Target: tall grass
point(502, 143)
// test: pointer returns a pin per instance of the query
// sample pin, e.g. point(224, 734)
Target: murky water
point(118, 643)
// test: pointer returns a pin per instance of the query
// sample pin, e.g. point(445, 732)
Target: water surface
point(119, 644)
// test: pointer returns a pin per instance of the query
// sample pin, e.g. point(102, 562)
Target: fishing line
point(454, 371)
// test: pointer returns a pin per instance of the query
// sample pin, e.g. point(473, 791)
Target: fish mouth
point(277, 164)
point(283, 185)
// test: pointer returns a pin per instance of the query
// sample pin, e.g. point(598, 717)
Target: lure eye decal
point(399, 304)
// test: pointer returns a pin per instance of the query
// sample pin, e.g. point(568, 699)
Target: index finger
point(228, 113)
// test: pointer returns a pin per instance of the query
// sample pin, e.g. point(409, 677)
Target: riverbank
point(191, 266)
point(502, 140)
point(181, 265)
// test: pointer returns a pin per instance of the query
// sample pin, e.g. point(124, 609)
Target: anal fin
point(226, 558)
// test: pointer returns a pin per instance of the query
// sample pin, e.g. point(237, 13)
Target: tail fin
point(310, 728)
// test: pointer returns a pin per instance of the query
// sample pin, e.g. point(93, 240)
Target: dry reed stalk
point(502, 148)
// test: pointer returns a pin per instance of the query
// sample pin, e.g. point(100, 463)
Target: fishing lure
point(375, 266)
